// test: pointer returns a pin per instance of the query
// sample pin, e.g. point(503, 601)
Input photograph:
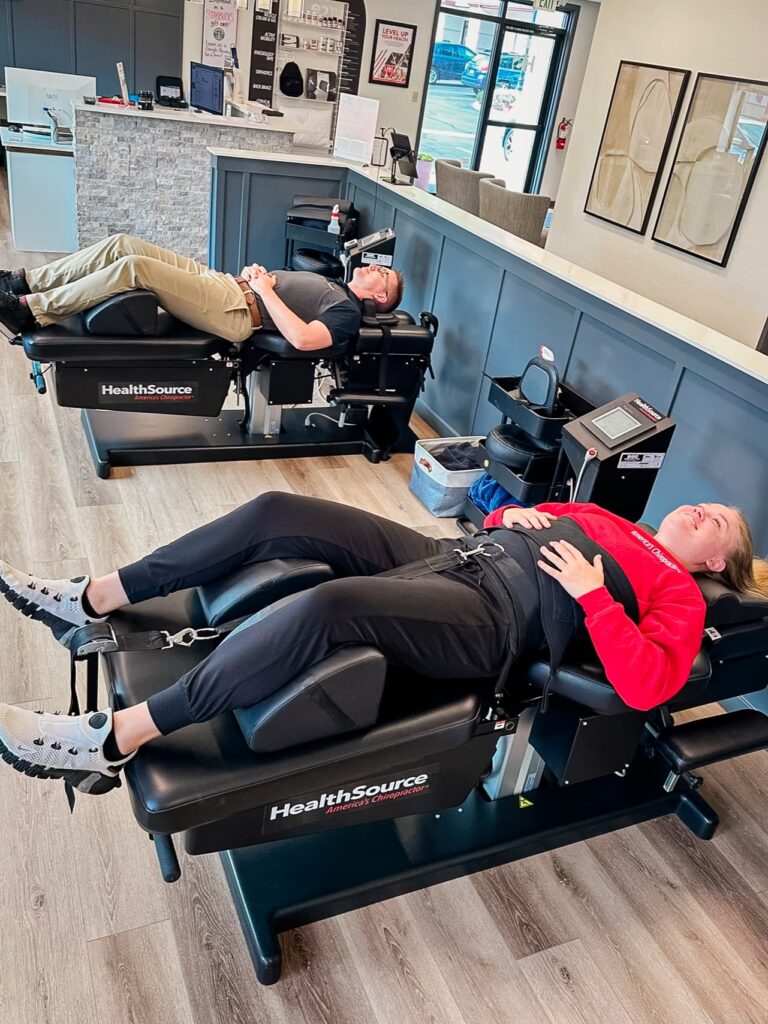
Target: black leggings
point(437, 625)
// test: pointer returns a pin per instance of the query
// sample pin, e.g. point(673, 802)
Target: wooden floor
point(645, 925)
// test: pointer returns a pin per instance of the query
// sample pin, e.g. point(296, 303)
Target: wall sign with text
point(219, 32)
point(263, 46)
point(392, 53)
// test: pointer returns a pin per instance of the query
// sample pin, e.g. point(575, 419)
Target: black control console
point(554, 445)
point(378, 248)
point(616, 452)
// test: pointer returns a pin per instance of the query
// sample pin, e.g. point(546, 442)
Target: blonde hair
point(744, 572)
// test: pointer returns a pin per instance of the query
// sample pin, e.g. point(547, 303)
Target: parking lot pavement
point(450, 122)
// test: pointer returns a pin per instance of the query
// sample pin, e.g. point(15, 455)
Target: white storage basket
point(442, 490)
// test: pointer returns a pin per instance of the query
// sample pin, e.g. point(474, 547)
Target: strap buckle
point(464, 556)
point(187, 636)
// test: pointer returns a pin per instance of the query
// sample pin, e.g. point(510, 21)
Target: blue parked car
point(448, 61)
point(511, 71)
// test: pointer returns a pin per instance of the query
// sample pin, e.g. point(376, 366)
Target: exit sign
point(545, 5)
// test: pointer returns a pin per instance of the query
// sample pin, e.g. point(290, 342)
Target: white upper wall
point(569, 98)
point(706, 37)
point(399, 108)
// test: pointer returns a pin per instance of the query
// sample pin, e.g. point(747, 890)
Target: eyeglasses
point(386, 274)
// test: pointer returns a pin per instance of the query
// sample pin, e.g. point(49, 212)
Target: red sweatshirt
point(646, 663)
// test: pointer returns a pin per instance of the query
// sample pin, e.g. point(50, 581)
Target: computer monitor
point(31, 92)
point(206, 88)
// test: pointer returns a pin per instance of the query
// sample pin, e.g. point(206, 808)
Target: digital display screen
point(616, 423)
point(171, 92)
point(206, 88)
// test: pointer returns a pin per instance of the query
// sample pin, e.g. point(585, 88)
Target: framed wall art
point(644, 107)
point(720, 147)
point(392, 53)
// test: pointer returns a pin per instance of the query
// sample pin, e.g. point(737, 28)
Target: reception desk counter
point(498, 298)
point(148, 172)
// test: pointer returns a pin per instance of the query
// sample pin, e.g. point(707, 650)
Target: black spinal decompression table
point(359, 781)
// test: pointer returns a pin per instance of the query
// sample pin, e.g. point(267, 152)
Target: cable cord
point(589, 455)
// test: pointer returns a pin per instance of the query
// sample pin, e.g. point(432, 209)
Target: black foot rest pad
point(255, 586)
point(708, 740)
point(340, 694)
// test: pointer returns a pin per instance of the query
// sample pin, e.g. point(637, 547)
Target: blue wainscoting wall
point(495, 309)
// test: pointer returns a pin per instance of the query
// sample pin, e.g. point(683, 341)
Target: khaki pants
point(203, 298)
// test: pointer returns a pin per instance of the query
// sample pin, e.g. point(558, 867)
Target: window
point(493, 84)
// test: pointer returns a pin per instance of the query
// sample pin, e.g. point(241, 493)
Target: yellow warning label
point(525, 803)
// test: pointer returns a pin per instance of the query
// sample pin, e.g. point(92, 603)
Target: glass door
point(518, 103)
point(503, 129)
point(452, 115)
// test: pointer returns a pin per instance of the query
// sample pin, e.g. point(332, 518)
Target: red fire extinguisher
point(562, 132)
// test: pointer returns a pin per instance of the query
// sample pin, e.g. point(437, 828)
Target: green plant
point(426, 157)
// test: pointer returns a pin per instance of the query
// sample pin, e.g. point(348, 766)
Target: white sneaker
point(69, 747)
point(57, 603)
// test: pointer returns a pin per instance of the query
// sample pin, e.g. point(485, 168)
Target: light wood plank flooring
point(647, 925)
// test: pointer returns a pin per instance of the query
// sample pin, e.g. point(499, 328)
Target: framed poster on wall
point(644, 107)
point(392, 53)
point(719, 151)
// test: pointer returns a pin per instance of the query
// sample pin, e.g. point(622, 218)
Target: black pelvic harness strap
point(386, 346)
point(561, 615)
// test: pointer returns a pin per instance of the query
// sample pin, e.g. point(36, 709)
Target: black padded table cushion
point(406, 339)
point(726, 607)
point(582, 679)
point(68, 341)
point(272, 343)
point(205, 773)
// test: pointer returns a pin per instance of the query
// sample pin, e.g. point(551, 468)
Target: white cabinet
point(41, 193)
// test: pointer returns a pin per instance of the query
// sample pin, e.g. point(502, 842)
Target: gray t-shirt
point(313, 297)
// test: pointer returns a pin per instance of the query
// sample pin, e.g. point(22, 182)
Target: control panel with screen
point(206, 88)
point(615, 423)
point(616, 452)
point(621, 421)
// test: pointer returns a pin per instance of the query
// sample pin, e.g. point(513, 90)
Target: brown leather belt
point(250, 298)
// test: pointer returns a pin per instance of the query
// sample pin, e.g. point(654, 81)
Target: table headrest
point(726, 607)
point(397, 333)
point(373, 317)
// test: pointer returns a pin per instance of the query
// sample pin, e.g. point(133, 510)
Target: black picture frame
point(701, 77)
point(663, 153)
point(383, 56)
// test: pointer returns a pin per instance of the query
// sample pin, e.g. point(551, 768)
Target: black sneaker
point(14, 281)
point(15, 314)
